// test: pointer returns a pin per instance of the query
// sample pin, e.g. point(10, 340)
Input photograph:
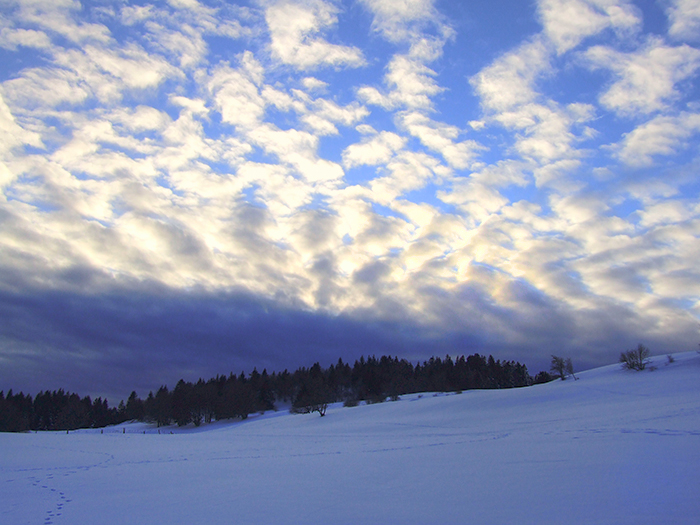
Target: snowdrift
point(616, 446)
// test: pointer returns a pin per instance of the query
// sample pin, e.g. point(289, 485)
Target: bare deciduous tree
point(558, 367)
point(569, 368)
point(635, 359)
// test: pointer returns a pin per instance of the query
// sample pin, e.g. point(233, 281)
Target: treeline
point(57, 410)
point(370, 379)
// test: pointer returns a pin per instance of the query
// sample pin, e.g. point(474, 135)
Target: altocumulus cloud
point(193, 188)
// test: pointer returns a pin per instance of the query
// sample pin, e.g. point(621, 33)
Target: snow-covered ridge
point(615, 446)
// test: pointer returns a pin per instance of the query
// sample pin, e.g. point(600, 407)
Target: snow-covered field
point(614, 447)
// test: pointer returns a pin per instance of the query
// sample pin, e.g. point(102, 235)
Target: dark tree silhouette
point(635, 359)
point(370, 379)
point(558, 367)
point(314, 394)
point(134, 408)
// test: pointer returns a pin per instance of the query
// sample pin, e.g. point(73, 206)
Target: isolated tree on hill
point(635, 359)
point(562, 368)
point(558, 366)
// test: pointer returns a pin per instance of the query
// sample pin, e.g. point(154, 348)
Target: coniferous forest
point(370, 379)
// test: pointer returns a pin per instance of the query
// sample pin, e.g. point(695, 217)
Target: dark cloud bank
point(110, 343)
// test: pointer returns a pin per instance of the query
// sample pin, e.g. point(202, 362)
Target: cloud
point(684, 16)
point(46, 87)
point(661, 135)
point(59, 18)
point(141, 118)
point(549, 134)
point(406, 172)
point(130, 15)
point(298, 149)
point(314, 84)
point(547, 130)
point(568, 22)
point(11, 38)
point(176, 180)
point(401, 20)
point(441, 138)
point(78, 75)
point(280, 192)
point(635, 268)
point(546, 133)
point(187, 44)
point(167, 244)
point(236, 92)
point(321, 115)
point(148, 335)
point(293, 26)
point(180, 30)
point(479, 201)
point(509, 81)
point(646, 79)
point(411, 85)
point(374, 150)
point(131, 65)
point(13, 135)
point(410, 82)
point(667, 212)
point(196, 106)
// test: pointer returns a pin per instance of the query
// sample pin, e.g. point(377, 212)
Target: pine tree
point(162, 407)
point(134, 408)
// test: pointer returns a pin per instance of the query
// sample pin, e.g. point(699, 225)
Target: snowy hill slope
point(615, 446)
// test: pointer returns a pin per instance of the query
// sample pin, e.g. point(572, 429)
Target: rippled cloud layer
point(189, 188)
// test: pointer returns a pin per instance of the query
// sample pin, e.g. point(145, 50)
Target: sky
point(193, 188)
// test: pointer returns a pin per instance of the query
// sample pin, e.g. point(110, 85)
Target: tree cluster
point(57, 410)
point(308, 390)
point(562, 368)
point(635, 359)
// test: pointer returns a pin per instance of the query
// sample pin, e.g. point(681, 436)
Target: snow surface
point(615, 446)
